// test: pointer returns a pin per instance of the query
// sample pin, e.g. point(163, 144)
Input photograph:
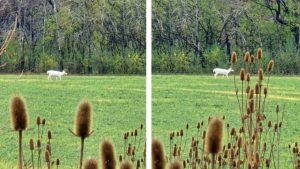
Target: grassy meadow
point(118, 106)
point(182, 99)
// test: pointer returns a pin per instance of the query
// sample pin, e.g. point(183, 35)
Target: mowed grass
point(181, 99)
point(118, 106)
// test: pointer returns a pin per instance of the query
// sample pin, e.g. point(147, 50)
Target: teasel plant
point(107, 154)
point(158, 155)
point(91, 163)
point(19, 120)
point(83, 125)
point(214, 139)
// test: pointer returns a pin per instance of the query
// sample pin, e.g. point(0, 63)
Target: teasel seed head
point(107, 155)
point(251, 105)
point(91, 163)
point(239, 142)
point(31, 144)
point(257, 88)
point(252, 59)
point(270, 65)
point(187, 126)
point(259, 53)
point(38, 120)
point(158, 157)
point(242, 74)
point(184, 164)
point(83, 119)
point(19, 116)
point(181, 132)
point(247, 57)
point(260, 75)
point(277, 109)
point(49, 135)
point(233, 58)
point(176, 165)
point(265, 91)
point(248, 89)
point(57, 162)
point(213, 141)
point(44, 122)
point(142, 126)
point(248, 77)
point(135, 132)
point(48, 148)
point(126, 165)
point(39, 144)
point(251, 94)
point(47, 156)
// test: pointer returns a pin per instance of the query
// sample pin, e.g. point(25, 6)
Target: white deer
point(56, 74)
point(225, 72)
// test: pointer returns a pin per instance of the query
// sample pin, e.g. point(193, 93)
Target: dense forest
point(80, 36)
point(194, 36)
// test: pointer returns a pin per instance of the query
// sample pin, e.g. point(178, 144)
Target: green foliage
point(47, 62)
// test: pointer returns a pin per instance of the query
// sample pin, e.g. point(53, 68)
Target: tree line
point(80, 36)
point(197, 35)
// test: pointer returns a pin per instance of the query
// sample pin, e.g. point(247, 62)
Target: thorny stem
point(81, 151)
point(236, 94)
point(20, 150)
point(32, 161)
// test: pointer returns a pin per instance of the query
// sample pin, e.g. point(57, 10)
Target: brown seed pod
point(270, 65)
point(260, 75)
point(107, 155)
point(47, 156)
point(251, 94)
point(38, 120)
point(39, 144)
point(213, 140)
point(233, 57)
point(247, 57)
point(248, 77)
point(181, 132)
point(43, 122)
point(57, 162)
point(252, 59)
point(142, 126)
point(265, 91)
point(158, 157)
point(187, 126)
point(83, 119)
point(251, 105)
point(49, 135)
point(135, 132)
point(90, 164)
point(176, 165)
point(259, 53)
point(31, 145)
point(18, 112)
point(257, 88)
point(126, 165)
point(242, 74)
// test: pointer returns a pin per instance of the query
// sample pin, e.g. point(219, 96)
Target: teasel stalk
point(186, 136)
point(83, 125)
point(233, 62)
point(39, 153)
point(91, 164)
point(38, 122)
point(158, 155)
point(269, 70)
point(19, 119)
point(107, 155)
point(213, 139)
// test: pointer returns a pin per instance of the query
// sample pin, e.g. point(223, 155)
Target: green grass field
point(182, 99)
point(118, 106)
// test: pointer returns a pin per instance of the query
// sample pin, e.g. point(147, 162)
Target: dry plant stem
point(237, 97)
point(213, 161)
point(20, 150)
point(140, 139)
point(186, 137)
point(48, 165)
point(81, 151)
point(263, 105)
point(32, 161)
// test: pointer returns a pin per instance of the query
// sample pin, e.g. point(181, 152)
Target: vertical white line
point(148, 82)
